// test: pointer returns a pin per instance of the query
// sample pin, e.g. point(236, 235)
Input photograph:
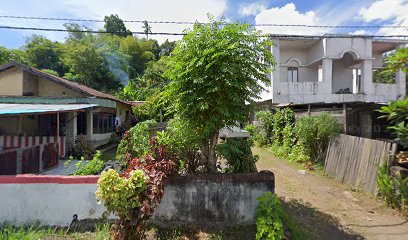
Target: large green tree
point(115, 25)
point(43, 53)
point(216, 70)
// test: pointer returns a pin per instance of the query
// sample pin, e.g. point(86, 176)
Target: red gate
point(50, 156)
point(31, 160)
point(8, 163)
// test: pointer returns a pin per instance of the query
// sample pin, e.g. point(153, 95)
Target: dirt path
point(327, 209)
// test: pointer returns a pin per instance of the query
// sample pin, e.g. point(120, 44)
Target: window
point(293, 74)
point(103, 123)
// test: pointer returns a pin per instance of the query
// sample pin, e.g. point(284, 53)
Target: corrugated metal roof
point(14, 109)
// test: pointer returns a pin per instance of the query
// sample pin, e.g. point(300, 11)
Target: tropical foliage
point(215, 71)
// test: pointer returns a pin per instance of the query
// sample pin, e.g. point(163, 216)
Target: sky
point(316, 12)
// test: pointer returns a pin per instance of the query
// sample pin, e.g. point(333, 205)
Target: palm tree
point(147, 29)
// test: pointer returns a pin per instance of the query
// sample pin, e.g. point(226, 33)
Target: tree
point(7, 55)
point(115, 25)
point(398, 60)
point(167, 47)
point(216, 70)
point(43, 53)
point(147, 29)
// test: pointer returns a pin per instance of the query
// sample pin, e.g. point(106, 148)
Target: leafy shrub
point(93, 167)
point(135, 142)
point(254, 131)
point(182, 143)
point(265, 119)
point(83, 147)
point(314, 134)
point(237, 152)
point(396, 112)
point(120, 194)
point(281, 118)
point(134, 195)
point(268, 221)
point(393, 190)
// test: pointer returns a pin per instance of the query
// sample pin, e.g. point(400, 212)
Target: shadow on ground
point(315, 224)
point(195, 233)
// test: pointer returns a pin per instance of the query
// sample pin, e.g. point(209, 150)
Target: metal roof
point(15, 109)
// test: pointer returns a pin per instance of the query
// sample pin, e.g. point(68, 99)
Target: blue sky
point(316, 12)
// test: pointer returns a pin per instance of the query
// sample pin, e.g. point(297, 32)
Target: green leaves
point(396, 112)
point(215, 70)
point(120, 194)
point(268, 217)
point(237, 152)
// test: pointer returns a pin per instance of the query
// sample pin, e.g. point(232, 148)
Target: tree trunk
point(211, 156)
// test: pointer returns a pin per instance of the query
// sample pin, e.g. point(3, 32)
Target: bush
point(237, 152)
point(135, 142)
point(93, 167)
point(182, 143)
point(264, 134)
point(314, 134)
point(83, 147)
point(268, 221)
point(134, 195)
point(254, 132)
point(393, 190)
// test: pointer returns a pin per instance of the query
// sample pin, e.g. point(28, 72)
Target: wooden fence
point(354, 160)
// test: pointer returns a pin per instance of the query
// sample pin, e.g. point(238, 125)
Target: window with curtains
point(103, 123)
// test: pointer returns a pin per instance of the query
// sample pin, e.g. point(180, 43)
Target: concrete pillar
point(276, 85)
point(19, 162)
point(327, 66)
point(367, 84)
point(71, 129)
point(401, 79)
point(366, 125)
point(89, 123)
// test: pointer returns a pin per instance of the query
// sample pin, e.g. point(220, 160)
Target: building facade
point(38, 109)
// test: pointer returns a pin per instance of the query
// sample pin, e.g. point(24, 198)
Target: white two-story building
point(335, 72)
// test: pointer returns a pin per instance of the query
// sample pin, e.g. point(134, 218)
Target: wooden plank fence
point(354, 160)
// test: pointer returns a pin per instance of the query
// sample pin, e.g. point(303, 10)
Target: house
point(41, 111)
point(337, 73)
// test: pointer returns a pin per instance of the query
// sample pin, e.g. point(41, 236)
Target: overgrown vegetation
point(394, 190)
point(305, 140)
point(135, 142)
point(237, 152)
point(82, 147)
point(92, 167)
point(269, 225)
point(134, 195)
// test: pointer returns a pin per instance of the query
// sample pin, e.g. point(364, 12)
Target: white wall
point(48, 204)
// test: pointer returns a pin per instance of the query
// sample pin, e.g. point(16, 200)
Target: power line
point(190, 23)
point(182, 34)
point(84, 31)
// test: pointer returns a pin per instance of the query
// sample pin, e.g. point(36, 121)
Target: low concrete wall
point(219, 199)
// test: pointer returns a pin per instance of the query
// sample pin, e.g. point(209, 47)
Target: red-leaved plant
point(156, 166)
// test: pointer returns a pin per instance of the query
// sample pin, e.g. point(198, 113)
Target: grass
point(8, 232)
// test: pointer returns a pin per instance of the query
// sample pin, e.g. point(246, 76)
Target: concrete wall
point(11, 82)
point(121, 111)
point(217, 199)
point(47, 88)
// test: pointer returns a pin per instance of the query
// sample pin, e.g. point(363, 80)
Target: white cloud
point(287, 14)
point(251, 9)
point(360, 32)
point(382, 10)
point(395, 11)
